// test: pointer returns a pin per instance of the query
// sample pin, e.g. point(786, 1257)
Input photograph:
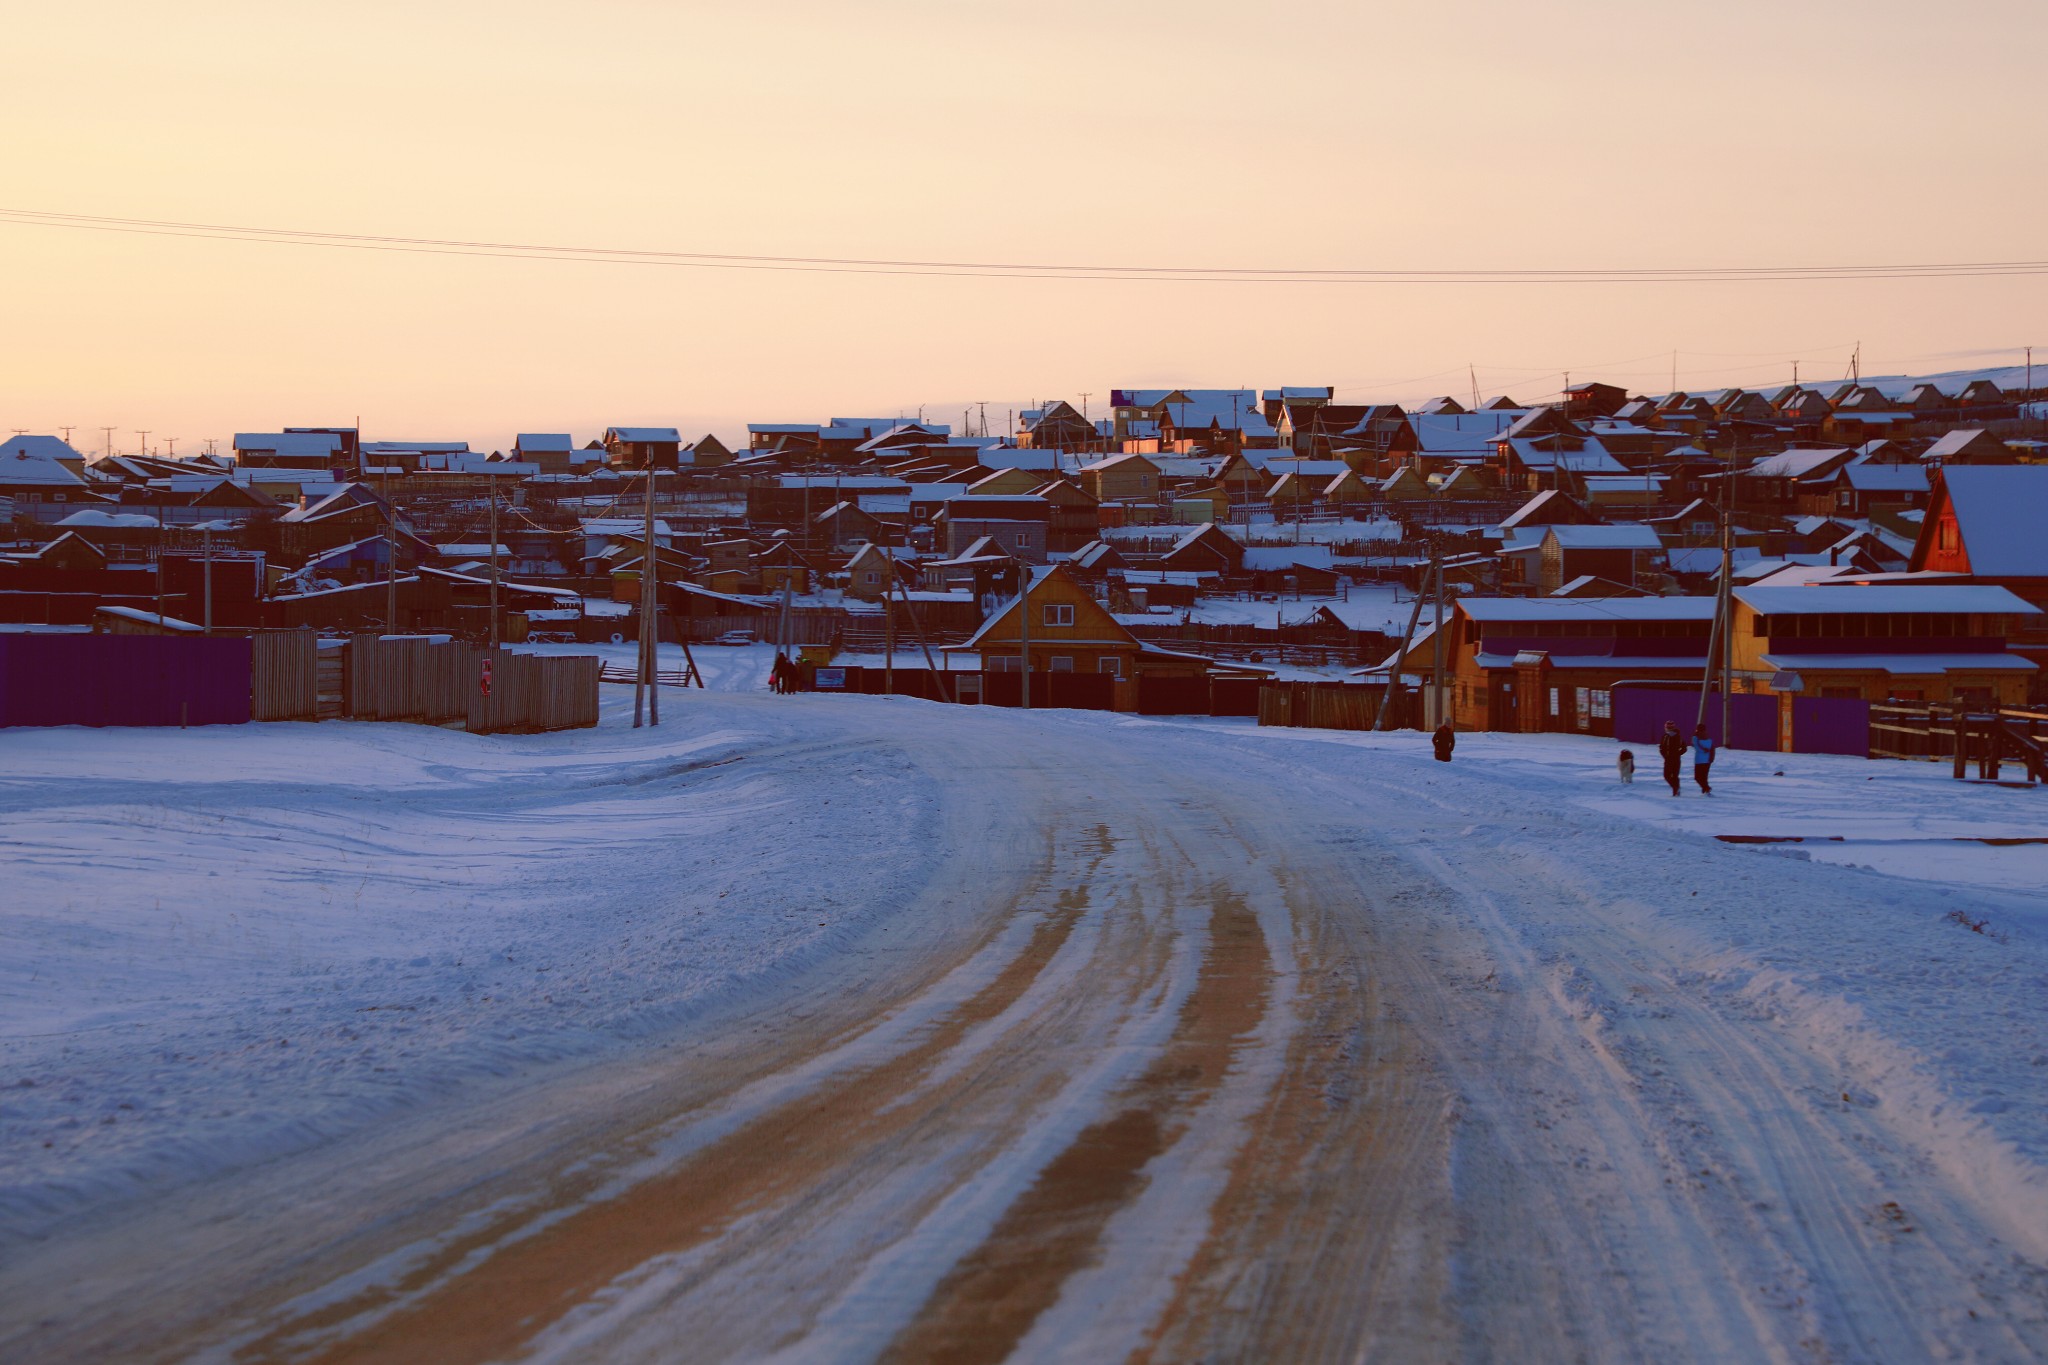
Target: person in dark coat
point(1671, 748)
point(1702, 758)
point(1445, 739)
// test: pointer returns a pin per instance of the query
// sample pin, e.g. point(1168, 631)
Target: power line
point(1013, 269)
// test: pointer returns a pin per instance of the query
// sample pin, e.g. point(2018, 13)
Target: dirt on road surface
point(1178, 1058)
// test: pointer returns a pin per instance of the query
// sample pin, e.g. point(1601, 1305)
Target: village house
point(1070, 632)
point(642, 447)
point(1624, 554)
point(1968, 445)
point(35, 470)
point(1552, 663)
point(1121, 478)
point(1918, 642)
point(1989, 524)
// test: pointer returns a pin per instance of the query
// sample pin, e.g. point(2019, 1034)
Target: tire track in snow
point(983, 1308)
point(464, 1318)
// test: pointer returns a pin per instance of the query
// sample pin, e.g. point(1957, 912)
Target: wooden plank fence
point(533, 692)
point(284, 675)
point(1960, 735)
point(1318, 706)
point(442, 682)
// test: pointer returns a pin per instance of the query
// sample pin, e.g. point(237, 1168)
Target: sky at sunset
point(1553, 134)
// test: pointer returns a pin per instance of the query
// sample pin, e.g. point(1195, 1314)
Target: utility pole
point(491, 483)
point(67, 433)
point(1024, 627)
point(143, 437)
point(172, 442)
point(1436, 679)
point(108, 448)
point(646, 682)
point(889, 627)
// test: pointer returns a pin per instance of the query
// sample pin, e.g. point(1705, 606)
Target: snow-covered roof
point(93, 517)
point(2002, 511)
point(302, 443)
point(1540, 610)
point(1275, 558)
point(1902, 664)
point(657, 434)
point(1797, 464)
point(549, 442)
point(34, 460)
point(1622, 536)
point(1968, 597)
point(1885, 478)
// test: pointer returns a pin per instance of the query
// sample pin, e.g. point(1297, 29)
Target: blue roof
point(645, 434)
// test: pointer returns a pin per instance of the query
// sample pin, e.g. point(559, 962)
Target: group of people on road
point(1672, 747)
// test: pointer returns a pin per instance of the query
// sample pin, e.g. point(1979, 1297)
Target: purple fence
point(1640, 713)
point(123, 680)
point(1831, 725)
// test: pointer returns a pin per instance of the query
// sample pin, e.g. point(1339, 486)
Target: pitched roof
point(2002, 512)
point(1864, 600)
point(34, 460)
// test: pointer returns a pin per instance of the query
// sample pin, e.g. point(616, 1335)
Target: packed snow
point(1702, 1099)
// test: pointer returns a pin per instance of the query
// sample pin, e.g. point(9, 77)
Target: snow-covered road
point(913, 1032)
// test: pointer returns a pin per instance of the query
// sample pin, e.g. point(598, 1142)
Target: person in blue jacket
point(1702, 758)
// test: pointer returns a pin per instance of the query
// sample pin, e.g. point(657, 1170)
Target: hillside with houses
point(1502, 565)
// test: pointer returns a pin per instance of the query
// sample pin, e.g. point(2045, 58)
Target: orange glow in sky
point(1538, 133)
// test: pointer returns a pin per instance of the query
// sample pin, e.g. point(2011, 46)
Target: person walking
point(1702, 758)
point(1445, 739)
point(1672, 748)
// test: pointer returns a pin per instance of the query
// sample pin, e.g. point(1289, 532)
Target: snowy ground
point(839, 1028)
point(219, 945)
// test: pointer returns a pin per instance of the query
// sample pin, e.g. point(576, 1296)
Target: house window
point(1110, 664)
point(1000, 663)
point(1583, 712)
point(1555, 702)
point(874, 577)
point(1063, 663)
point(1059, 613)
point(1602, 704)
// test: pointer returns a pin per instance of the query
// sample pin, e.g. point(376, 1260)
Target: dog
point(1626, 766)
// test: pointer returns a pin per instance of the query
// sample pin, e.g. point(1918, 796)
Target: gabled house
point(1056, 426)
point(642, 447)
point(35, 469)
point(708, 452)
point(875, 571)
point(1972, 445)
point(1070, 632)
point(1207, 548)
point(1121, 478)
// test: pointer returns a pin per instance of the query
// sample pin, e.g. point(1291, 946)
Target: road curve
point(1179, 1057)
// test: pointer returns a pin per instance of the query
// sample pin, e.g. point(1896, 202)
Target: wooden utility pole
point(646, 682)
point(206, 552)
point(889, 628)
point(1436, 677)
point(1385, 719)
point(492, 484)
point(917, 627)
point(1024, 627)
